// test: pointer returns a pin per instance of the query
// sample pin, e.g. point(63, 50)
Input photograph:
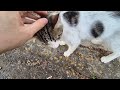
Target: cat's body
point(96, 26)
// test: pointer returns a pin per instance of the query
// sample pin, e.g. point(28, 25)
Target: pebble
point(49, 77)
point(55, 58)
point(0, 68)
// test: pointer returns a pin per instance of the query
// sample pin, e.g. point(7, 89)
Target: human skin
point(16, 29)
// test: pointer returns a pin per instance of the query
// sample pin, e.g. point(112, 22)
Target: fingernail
point(44, 20)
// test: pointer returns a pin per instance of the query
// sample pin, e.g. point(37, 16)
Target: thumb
point(36, 26)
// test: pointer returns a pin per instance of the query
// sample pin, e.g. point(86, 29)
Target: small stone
point(49, 77)
point(60, 57)
point(34, 40)
point(0, 68)
point(19, 62)
point(26, 48)
point(55, 58)
point(79, 64)
point(100, 72)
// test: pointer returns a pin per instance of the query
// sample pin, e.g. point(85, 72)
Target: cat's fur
point(50, 32)
point(100, 27)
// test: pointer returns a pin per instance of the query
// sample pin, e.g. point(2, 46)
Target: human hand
point(14, 32)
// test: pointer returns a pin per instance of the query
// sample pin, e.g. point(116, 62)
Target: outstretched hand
point(17, 27)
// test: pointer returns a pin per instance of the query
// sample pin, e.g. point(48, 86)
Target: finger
point(36, 26)
point(28, 21)
point(23, 13)
point(33, 16)
point(41, 13)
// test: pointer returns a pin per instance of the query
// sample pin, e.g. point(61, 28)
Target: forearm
point(7, 23)
point(5, 42)
point(11, 40)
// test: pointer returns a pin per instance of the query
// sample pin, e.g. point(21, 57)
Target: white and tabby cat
point(100, 27)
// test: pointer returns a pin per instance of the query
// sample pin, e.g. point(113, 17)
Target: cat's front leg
point(96, 41)
point(71, 49)
point(107, 59)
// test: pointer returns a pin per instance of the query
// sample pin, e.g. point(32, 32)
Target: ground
point(35, 60)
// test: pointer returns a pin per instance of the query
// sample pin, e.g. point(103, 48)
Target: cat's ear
point(54, 19)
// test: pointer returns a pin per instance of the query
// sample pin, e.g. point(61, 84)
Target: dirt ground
point(37, 61)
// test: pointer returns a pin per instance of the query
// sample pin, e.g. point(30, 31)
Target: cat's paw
point(53, 45)
point(62, 43)
point(104, 60)
point(96, 41)
point(66, 54)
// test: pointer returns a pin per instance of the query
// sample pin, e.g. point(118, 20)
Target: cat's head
point(53, 30)
point(57, 28)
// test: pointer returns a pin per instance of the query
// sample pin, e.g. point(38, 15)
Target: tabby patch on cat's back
point(72, 17)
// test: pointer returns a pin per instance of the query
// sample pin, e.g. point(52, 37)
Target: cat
point(99, 27)
point(49, 33)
